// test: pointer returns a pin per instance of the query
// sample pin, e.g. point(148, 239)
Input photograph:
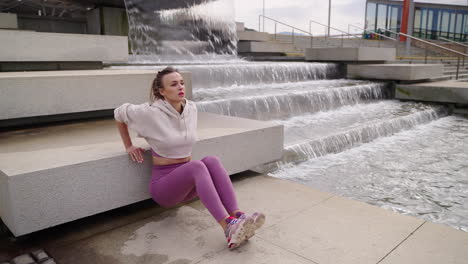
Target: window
point(381, 16)
point(444, 25)
point(370, 16)
point(417, 23)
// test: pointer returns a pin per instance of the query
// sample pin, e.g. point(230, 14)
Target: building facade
point(431, 21)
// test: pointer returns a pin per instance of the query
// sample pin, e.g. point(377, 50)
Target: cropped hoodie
point(170, 134)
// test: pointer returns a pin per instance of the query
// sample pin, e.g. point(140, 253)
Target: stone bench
point(53, 175)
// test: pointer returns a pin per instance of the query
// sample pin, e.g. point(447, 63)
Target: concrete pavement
point(303, 226)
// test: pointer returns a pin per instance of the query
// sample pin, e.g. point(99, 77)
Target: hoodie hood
point(167, 108)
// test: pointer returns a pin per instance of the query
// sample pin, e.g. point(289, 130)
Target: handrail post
point(425, 54)
point(293, 36)
point(275, 29)
point(458, 67)
point(464, 51)
point(342, 40)
point(259, 23)
point(311, 41)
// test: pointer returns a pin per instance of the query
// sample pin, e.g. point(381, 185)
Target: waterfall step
point(52, 175)
point(443, 92)
point(284, 100)
point(319, 134)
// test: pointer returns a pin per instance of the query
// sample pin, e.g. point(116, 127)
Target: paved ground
point(303, 226)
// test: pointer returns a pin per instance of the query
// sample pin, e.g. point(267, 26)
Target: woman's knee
point(198, 168)
point(211, 160)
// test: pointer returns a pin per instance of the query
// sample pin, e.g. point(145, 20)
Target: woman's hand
point(135, 153)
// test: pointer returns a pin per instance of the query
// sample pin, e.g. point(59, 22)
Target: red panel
point(404, 19)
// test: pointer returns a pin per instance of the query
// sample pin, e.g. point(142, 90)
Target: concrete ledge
point(252, 36)
point(240, 26)
point(29, 94)
point(39, 46)
point(8, 21)
point(443, 92)
point(402, 72)
point(54, 175)
point(263, 47)
point(350, 54)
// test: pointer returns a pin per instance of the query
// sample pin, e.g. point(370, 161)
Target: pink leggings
point(206, 178)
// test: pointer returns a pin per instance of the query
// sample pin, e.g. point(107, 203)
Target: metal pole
point(263, 15)
point(275, 29)
point(329, 15)
point(425, 54)
point(292, 35)
point(458, 67)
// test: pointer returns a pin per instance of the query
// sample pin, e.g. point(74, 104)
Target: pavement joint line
point(404, 240)
point(286, 249)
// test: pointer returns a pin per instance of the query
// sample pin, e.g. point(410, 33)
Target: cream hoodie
point(169, 133)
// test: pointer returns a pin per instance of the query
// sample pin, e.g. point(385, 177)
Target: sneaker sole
point(241, 233)
point(258, 222)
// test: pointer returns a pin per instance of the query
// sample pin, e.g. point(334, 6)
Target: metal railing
point(336, 29)
point(284, 24)
point(460, 54)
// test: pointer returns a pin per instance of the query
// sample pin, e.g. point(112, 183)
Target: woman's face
point(173, 87)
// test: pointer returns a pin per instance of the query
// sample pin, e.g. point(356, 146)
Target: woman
point(169, 126)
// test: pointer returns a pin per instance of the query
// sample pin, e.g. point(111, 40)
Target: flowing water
point(348, 137)
point(168, 30)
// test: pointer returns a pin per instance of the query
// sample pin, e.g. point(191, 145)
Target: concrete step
point(58, 95)
point(27, 46)
point(444, 92)
point(263, 47)
point(400, 72)
point(252, 36)
point(350, 54)
point(52, 175)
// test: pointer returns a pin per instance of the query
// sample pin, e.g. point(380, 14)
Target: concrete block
point(403, 72)
point(8, 21)
point(240, 26)
point(443, 92)
point(71, 171)
point(263, 47)
point(39, 255)
point(252, 36)
point(29, 94)
point(350, 54)
point(23, 259)
point(39, 46)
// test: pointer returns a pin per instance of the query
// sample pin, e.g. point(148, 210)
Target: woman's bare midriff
point(161, 161)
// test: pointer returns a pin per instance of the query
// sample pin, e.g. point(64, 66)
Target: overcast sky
point(299, 12)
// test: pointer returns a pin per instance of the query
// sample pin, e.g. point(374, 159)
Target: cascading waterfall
point(168, 30)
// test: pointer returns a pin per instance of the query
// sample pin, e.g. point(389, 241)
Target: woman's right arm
point(135, 153)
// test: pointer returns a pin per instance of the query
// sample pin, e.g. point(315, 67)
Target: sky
point(298, 13)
